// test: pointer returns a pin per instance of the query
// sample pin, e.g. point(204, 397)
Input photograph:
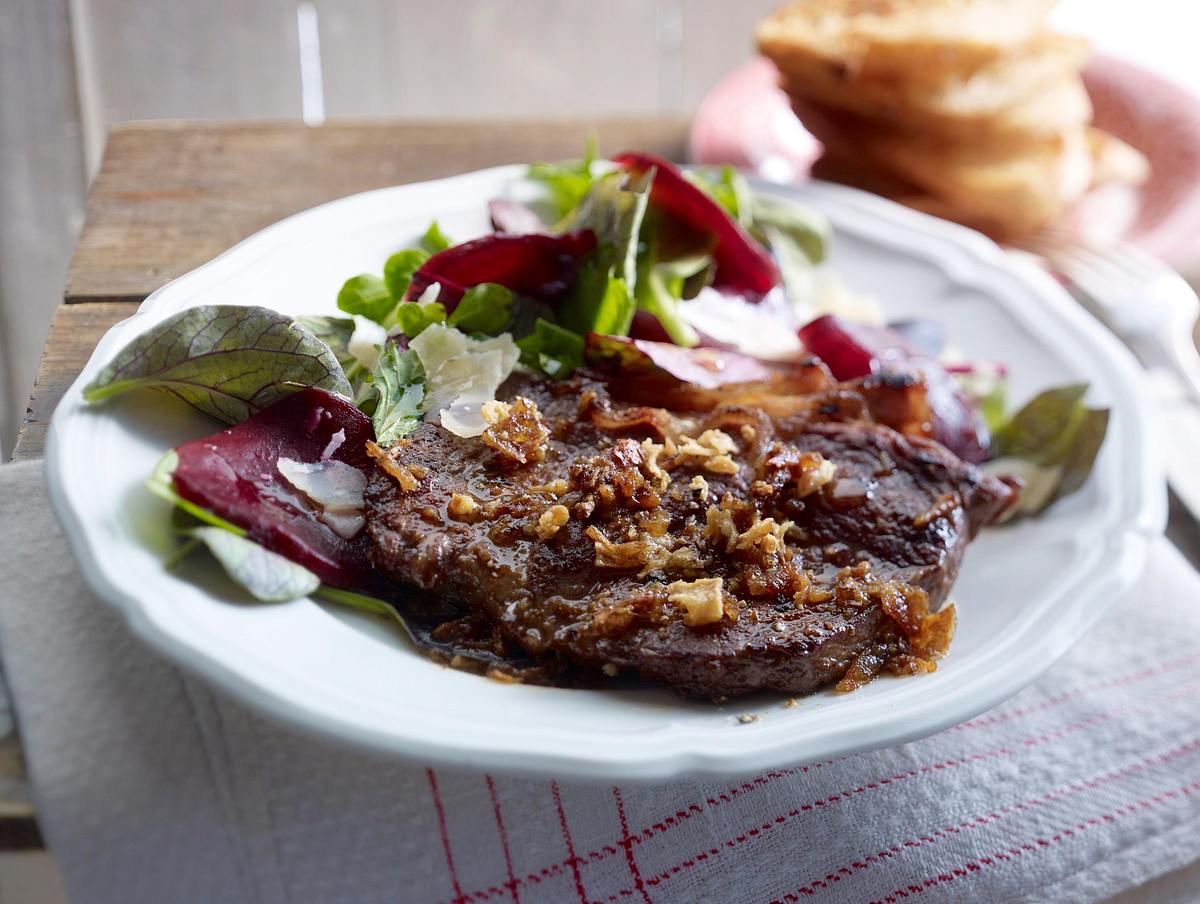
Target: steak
point(717, 551)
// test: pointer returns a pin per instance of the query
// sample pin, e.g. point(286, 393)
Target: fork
point(1153, 310)
point(1146, 303)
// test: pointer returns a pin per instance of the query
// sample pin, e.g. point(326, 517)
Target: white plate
point(1026, 592)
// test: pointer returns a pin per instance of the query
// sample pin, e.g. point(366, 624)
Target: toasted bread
point(1042, 115)
point(1026, 188)
point(923, 37)
point(968, 94)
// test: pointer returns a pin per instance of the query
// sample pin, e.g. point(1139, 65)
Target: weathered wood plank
point(169, 197)
point(73, 334)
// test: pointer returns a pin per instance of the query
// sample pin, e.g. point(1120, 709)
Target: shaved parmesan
point(461, 374)
point(335, 443)
point(336, 487)
point(431, 293)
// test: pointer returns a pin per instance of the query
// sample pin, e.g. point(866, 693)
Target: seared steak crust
point(832, 537)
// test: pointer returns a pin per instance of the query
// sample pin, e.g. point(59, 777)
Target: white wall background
point(70, 68)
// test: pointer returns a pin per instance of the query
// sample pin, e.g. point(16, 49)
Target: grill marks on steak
point(598, 552)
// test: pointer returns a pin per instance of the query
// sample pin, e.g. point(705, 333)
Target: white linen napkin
point(152, 788)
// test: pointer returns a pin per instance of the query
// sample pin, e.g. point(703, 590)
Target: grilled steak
point(718, 551)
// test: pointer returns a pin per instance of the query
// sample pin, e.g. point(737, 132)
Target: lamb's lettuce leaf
point(434, 240)
point(366, 295)
point(399, 269)
point(551, 349)
point(486, 308)
point(227, 361)
point(377, 298)
point(412, 317)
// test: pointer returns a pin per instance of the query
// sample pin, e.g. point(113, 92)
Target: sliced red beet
point(853, 350)
point(704, 367)
point(537, 266)
point(743, 265)
point(234, 474)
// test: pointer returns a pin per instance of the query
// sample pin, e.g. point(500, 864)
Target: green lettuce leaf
point(602, 299)
point(413, 317)
point(362, 603)
point(662, 286)
point(551, 349)
point(786, 222)
point(434, 240)
point(224, 360)
point(266, 575)
point(1052, 444)
point(334, 332)
point(567, 183)
point(399, 381)
point(399, 269)
point(485, 308)
point(671, 267)
point(366, 295)
point(728, 188)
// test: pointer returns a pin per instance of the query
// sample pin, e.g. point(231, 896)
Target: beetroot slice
point(537, 266)
point(742, 263)
point(233, 474)
point(853, 350)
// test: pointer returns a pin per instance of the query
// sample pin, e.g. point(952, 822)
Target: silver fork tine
point(1140, 298)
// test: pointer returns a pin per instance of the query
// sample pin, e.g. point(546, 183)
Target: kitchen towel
point(152, 788)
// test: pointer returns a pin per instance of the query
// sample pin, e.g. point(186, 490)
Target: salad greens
point(1052, 444)
point(398, 271)
point(403, 359)
point(551, 349)
point(434, 240)
point(366, 295)
point(224, 360)
point(602, 298)
point(663, 283)
point(486, 308)
point(728, 188)
point(412, 317)
point(399, 380)
point(268, 576)
point(567, 182)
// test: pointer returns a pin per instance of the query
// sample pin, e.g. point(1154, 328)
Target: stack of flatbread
point(969, 109)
